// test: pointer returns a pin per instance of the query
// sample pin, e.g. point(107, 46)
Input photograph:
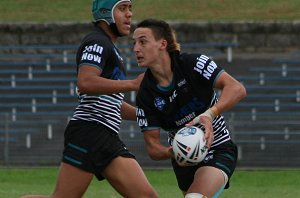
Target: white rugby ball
point(189, 146)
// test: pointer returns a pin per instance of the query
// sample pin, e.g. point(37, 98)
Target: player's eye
point(143, 42)
point(122, 8)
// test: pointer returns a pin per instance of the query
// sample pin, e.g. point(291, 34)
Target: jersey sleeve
point(146, 118)
point(203, 68)
point(94, 53)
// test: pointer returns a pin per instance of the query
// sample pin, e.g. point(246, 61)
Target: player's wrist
point(215, 111)
point(211, 113)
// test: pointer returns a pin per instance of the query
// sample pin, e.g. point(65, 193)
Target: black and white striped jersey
point(98, 51)
point(190, 94)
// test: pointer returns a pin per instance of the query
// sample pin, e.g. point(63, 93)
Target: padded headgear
point(103, 10)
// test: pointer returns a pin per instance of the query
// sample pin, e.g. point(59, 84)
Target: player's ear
point(163, 44)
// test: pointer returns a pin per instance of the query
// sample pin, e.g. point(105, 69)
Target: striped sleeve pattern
point(221, 133)
point(104, 109)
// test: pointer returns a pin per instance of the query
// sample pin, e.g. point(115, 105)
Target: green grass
point(267, 184)
point(212, 10)
point(244, 184)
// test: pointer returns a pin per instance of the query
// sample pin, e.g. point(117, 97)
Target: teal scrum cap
point(103, 10)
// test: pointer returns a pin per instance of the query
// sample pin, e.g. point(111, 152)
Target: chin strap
point(115, 30)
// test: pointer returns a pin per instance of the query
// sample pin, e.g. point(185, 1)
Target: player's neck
point(108, 31)
point(162, 72)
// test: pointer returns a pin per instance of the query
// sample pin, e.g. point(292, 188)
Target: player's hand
point(209, 132)
point(206, 120)
point(138, 80)
point(207, 123)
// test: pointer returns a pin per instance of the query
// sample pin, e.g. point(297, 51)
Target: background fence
point(37, 86)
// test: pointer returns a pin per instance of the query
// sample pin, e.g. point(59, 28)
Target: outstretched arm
point(128, 112)
point(155, 149)
point(90, 82)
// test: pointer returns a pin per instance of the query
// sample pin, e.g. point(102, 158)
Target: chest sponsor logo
point(173, 96)
point(92, 53)
point(159, 103)
point(205, 70)
point(181, 83)
point(186, 119)
point(188, 111)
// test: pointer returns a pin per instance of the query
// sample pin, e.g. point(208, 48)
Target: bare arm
point(155, 149)
point(128, 112)
point(90, 82)
point(232, 92)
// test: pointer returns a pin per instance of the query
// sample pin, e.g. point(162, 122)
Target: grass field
point(213, 10)
point(244, 184)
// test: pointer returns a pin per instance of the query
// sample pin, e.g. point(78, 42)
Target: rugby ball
point(189, 146)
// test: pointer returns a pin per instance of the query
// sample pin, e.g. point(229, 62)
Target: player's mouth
point(127, 24)
point(139, 59)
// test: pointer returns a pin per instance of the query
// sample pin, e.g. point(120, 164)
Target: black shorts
point(91, 146)
point(223, 157)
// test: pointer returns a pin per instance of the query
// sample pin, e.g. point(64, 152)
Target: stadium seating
point(38, 98)
point(211, 49)
point(37, 85)
point(266, 124)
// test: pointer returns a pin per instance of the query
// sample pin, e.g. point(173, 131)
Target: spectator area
point(37, 85)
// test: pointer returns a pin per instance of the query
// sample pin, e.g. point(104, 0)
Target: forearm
point(160, 152)
point(128, 112)
point(155, 149)
point(97, 85)
point(232, 91)
point(229, 97)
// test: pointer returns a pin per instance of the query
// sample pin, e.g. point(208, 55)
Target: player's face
point(123, 15)
point(146, 48)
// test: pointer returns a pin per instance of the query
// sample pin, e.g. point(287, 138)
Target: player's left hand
point(207, 124)
point(209, 132)
point(138, 80)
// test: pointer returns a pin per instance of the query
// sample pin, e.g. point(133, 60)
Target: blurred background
point(258, 42)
